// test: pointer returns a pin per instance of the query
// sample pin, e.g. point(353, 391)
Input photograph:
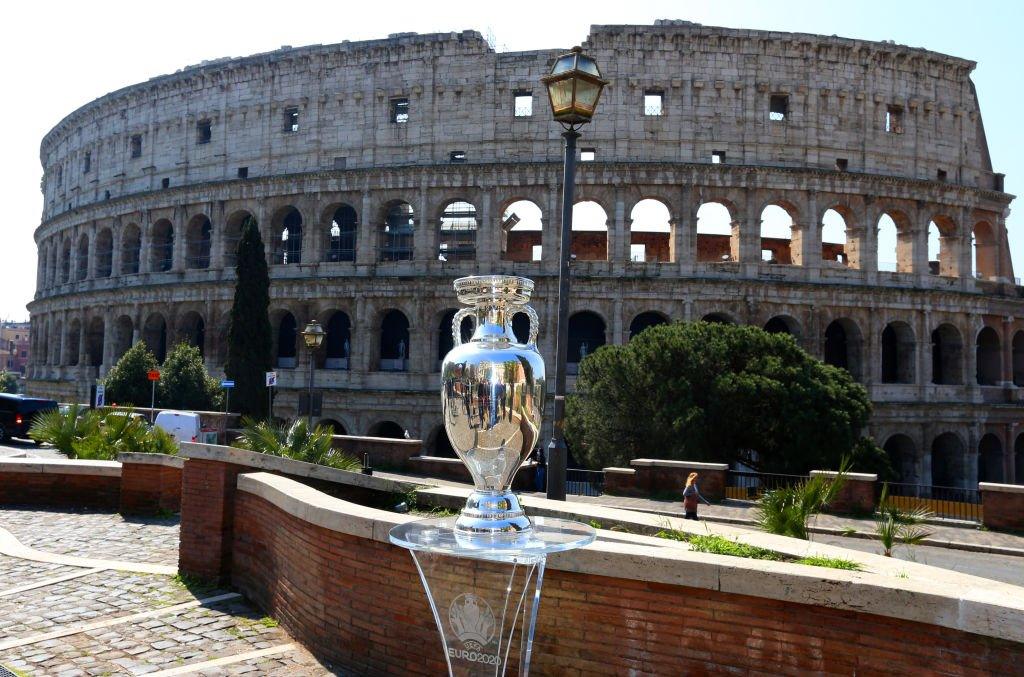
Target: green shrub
point(94, 436)
point(185, 383)
point(894, 525)
point(126, 383)
point(8, 382)
point(787, 511)
point(62, 429)
point(295, 441)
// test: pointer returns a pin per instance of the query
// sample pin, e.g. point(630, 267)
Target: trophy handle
point(534, 324)
point(457, 324)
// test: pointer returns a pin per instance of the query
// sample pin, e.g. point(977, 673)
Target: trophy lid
point(509, 288)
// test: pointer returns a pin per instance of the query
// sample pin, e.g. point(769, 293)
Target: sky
point(58, 56)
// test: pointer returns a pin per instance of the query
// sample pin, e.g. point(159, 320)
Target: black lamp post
point(313, 336)
point(574, 88)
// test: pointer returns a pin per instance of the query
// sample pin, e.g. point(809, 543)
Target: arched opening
point(123, 333)
point(835, 236)
point(645, 320)
point(396, 235)
point(440, 444)
point(57, 355)
point(903, 457)
point(895, 243)
point(341, 237)
point(445, 341)
point(457, 235)
point(522, 230)
point(287, 225)
point(948, 461)
point(589, 231)
point(198, 237)
point(233, 235)
point(335, 427)
point(650, 233)
point(1018, 460)
point(73, 343)
point(94, 342)
point(783, 324)
point(986, 251)
point(388, 429)
point(154, 333)
point(586, 334)
point(718, 318)
point(192, 330)
point(162, 246)
point(394, 341)
point(777, 235)
point(943, 247)
point(104, 253)
point(131, 245)
point(82, 271)
point(843, 346)
point(898, 349)
point(65, 263)
point(287, 341)
point(988, 357)
point(990, 459)
point(1018, 358)
point(947, 356)
point(337, 347)
point(717, 234)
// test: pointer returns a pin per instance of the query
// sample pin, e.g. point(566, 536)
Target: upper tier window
point(136, 145)
point(291, 120)
point(894, 119)
point(400, 110)
point(654, 101)
point(522, 100)
point(778, 107)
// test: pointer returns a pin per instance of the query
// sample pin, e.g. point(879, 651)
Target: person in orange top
point(691, 496)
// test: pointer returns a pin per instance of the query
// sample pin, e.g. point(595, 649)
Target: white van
point(182, 425)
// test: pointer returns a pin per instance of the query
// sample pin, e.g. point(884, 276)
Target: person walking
point(540, 472)
point(691, 495)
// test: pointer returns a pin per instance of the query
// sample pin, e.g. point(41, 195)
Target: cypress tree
point(250, 343)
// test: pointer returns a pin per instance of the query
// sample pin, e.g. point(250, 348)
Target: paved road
point(20, 448)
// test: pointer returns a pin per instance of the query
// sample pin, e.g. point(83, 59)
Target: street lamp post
point(574, 88)
point(313, 336)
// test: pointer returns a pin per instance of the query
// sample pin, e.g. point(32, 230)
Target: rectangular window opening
point(894, 119)
point(768, 256)
point(400, 111)
point(654, 102)
point(136, 145)
point(457, 156)
point(842, 164)
point(165, 183)
point(522, 103)
point(778, 107)
point(87, 163)
point(587, 154)
point(638, 253)
point(204, 131)
point(940, 175)
point(291, 119)
point(243, 172)
point(717, 157)
point(536, 252)
point(340, 162)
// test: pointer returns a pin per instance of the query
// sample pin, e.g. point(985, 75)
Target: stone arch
point(651, 232)
point(94, 339)
point(394, 341)
point(82, 267)
point(198, 239)
point(777, 229)
point(642, 321)
point(162, 246)
point(65, 261)
point(57, 356)
point(286, 337)
point(1018, 359)
point(104, 253)
point(988, 357)
point(333, 425)
point(444, 333)
point(902, 453)
point(457, 230)
point(947, 355)
point(898, 353)
point(131, 249)
point(388, 429)
point(843, 346)
point(836, 235)
point(986, 251)
point(717, 232)
point(1018, 459)
point(124, 331)
point(438, 443)
point(73, 343)
point(396, 232)
point(154, 333)
point(586, 334)
point(192, 330)
point(342, 224)
point(990, 459)
point(522, 231)
point(719, 318)
point(286, 231)
point(337, 348)
point(783, 324)
point(949, 460)
point(895, 242)
point(232, 235)
point(590, 231)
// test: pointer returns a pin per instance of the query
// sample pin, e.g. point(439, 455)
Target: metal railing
point(584, 482)
point(949, 502)
point(749, 485)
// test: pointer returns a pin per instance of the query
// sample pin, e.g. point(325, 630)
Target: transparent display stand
point(484, 590)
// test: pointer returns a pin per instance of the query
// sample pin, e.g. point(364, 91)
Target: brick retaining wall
point(150, 483)
point(86, 484)
point(1002, 506)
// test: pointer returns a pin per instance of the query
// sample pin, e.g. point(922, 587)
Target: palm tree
point(895, 525)
point(787, 511)
point(295, 441)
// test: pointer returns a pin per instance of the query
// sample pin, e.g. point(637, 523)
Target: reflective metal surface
point(492, 394)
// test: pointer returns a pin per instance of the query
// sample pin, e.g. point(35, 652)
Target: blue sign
point(227, 384)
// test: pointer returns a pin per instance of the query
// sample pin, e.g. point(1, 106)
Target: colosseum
point(836, 189)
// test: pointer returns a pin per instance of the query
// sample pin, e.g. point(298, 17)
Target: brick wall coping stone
point(856, 476)
point(389, 440)
point(926, 594)
point(289, 466)
point(1005, 488)
point(60, 466)
point(621, 471)
point(152, 459)
point(666, 463)
point(437, 459)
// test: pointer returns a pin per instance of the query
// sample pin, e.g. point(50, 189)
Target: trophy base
point(492, 513)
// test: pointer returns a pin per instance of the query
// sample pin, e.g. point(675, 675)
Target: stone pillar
point(924, 351)
point(1006, 347)
point(868, 245)
point(748, 232)
point(366, 243)
point(425, 237)
point(314, 230)
point(488, 230)
point(619, 232)
point(90, 265)
point(116, 243)
point(109, 332)
point(218, 231)
point(918, 243)
point(618, 337)
point(180, 230)
point(146, 243)
point(970, 478)
point(971, 355)
point(552, 225)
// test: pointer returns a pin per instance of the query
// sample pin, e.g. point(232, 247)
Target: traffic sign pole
point(152, 403)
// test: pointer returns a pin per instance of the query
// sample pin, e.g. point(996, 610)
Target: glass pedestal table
point(484, 590)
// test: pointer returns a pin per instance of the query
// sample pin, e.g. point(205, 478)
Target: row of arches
point(784, 238)
point(948, 461)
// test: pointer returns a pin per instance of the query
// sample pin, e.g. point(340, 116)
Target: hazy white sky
point(58, 56)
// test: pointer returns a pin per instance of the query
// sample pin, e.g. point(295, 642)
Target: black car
point(17, 413)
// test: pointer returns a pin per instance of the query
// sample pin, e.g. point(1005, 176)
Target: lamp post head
point(313, 335)
point(574, 87)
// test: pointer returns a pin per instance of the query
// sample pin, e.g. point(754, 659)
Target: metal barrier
point(584, 482)
point(949, 502)
point(748, 485)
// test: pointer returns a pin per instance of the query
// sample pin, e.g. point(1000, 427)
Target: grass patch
point(194, 584)
point(718, 545)
point(268, 622)
point(829, 562)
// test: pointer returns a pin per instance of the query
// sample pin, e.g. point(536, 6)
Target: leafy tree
point(249, 334)
point(126, 383)
point(184, 382)
point(714, 392)
point(8, 382)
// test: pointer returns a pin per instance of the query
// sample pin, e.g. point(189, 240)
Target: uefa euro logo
point(472, 620)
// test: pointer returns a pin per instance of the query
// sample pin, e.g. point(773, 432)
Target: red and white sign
point(153, 375)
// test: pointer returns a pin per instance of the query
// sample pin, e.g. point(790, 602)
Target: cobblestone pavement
point(78, 622)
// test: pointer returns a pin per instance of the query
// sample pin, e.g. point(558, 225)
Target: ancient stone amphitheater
point(836, 189)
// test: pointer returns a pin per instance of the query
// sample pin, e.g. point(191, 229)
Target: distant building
point(15, 349)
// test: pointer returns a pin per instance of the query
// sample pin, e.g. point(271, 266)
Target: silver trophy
point(492, 395)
